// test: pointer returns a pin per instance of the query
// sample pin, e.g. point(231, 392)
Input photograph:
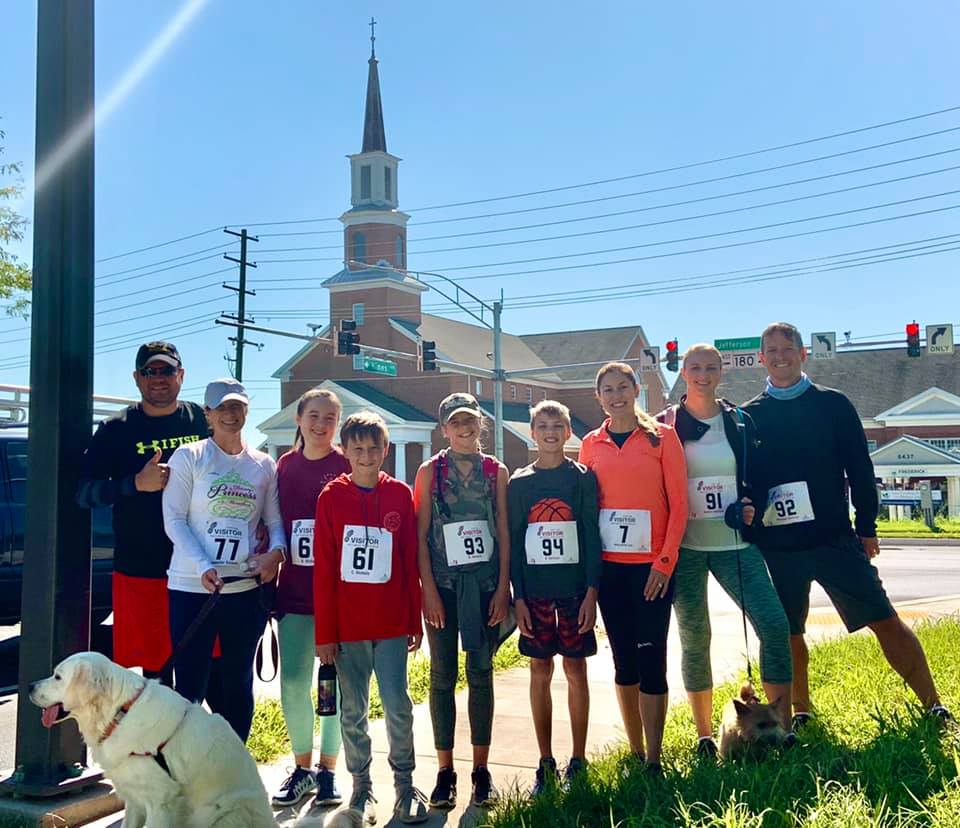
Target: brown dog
point(748, 725)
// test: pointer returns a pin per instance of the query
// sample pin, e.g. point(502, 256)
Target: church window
point(365, 181)
point(401, 262)
point(388, 183)
point(359, 253)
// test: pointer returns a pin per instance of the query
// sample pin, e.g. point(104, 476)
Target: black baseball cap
point(161, 351)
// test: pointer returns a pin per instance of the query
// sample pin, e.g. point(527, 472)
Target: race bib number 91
point(625, 530)
point(467, 542)
point(301, 542)
point(552, 542)
point(708, 497)
point(366, 556)
point(788, 503)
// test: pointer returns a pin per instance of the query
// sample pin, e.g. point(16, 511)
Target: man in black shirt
point(811, 439)
point(124, 468)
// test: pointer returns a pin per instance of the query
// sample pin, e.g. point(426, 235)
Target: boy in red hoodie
point(367, 598)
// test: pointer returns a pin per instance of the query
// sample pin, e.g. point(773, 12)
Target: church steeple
point(374, 137)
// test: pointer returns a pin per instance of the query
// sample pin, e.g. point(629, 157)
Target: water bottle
point(327, 690)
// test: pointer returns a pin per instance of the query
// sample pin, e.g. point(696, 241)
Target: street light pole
point(497, 380)
point(56, 568)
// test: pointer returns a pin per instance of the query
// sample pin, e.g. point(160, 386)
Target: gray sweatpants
point(762, 606)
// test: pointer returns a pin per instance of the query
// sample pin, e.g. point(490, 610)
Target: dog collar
point(119, 715)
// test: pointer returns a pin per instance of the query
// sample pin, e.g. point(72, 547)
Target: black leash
point(742, 427)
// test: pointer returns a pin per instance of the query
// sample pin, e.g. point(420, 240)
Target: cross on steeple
point(373, 38)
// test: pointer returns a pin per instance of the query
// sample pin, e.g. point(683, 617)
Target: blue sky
point(248, 116)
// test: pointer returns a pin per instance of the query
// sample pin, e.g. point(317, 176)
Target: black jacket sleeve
point(518, 528)
point(858, 466)
point(97, 486)
point(589, 511)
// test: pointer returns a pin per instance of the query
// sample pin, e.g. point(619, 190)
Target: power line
point(164, 261)
point(162, 269)
point(676, 168)
point(159, 244)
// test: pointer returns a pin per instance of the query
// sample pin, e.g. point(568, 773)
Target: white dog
point(173, 764)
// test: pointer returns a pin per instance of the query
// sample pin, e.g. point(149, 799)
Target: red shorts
point(141, 622)
point(556, 630)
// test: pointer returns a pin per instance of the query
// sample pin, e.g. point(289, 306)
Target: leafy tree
point(15, 278)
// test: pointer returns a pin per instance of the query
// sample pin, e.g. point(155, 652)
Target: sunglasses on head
point(165, 371)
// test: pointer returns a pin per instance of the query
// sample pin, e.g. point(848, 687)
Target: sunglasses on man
point(165, 371)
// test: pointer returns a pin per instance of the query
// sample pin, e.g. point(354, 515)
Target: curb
point(933, 540)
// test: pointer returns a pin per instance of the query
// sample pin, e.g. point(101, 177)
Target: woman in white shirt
point(219, 489)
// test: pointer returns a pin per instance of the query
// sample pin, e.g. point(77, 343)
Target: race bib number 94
point(467, 542)
point(788, 503)
point(301, 542)
point(625, 530)
point(366, 556)
point(552, 542)
point(709, 496)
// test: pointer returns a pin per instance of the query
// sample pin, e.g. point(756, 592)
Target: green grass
point(946, 528)
point(869, 761)
point(268, 735)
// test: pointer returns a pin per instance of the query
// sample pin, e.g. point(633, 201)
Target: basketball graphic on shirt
point(549, 509)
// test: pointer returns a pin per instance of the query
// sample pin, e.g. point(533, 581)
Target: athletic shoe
point(790, 739)
point(363, 803)
point(327, 791)
point(706, 748)
point(632, 765)
point(484, 793)
point(411, 807)
point(546, 776)
point(444, 793)
point(654, 770)
point(800, 720)
point(575, 767)
point(295, 787)
point(940, 714)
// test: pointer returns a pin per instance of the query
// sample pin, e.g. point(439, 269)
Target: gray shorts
point(844, 571)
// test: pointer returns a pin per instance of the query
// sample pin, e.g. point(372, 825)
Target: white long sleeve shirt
point(212, 505)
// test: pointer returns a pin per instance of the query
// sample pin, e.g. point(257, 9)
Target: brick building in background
point(375, 289)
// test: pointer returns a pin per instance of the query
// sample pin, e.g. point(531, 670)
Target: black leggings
point(637, 628)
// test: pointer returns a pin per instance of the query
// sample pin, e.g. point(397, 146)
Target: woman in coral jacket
point(642, 479)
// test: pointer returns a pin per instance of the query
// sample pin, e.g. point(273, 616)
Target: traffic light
point(427, 360)
point(913, 339)
point(673, 355)
point(348, 340)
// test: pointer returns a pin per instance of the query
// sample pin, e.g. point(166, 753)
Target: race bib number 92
point(788, 503)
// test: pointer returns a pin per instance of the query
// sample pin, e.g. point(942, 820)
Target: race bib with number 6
point(553, 542)
point(227, 540)
point(708, 497)
point(625, 530)
point(467, 542)
point(301, 542)
point(366, 556)
point(788, 503)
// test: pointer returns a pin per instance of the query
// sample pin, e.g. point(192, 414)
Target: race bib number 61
point(366, 556)
point(301, 542)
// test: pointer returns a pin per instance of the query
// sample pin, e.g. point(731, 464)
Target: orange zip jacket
point(643, 476)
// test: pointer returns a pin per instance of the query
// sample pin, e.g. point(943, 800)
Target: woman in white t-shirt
point(219, 489)
point(719, 440)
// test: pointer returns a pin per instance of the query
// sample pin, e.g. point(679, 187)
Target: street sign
point(374, 365)
point(907, 497)
point(940, 339)
point(650, 359)
point(823, 345)
point(740, 359)
point(743, 343)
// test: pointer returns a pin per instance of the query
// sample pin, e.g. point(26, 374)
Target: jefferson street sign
point(374, 365)
point(940, 339)
point(743, 343)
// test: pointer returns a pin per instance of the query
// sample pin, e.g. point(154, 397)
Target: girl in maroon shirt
point(301, 475)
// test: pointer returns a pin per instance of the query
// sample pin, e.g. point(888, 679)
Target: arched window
point(401, 262)
point(359, 253)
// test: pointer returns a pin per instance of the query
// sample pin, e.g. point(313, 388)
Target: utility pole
point(498, 378)
point(242, 294)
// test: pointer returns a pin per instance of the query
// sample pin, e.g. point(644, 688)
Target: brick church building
point(376, 290)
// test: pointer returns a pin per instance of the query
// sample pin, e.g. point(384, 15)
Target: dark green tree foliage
point(14, 275)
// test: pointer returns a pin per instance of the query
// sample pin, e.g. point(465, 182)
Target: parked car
point(13, 506)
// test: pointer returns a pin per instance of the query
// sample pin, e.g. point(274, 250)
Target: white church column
point(953, 497)
point(427, 451)
point(400, 460)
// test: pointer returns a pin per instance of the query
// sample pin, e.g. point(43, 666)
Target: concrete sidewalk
point(514, 755)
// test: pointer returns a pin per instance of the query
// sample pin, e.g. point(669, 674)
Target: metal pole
point(56, 569)
point(497, 382)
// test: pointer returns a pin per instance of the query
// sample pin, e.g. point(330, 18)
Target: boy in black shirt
point(124, 468)
point(555, 570)
point(810, 439)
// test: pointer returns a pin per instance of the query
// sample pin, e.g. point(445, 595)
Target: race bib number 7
point(625, 530)
point(788, 503)
point(366, 556)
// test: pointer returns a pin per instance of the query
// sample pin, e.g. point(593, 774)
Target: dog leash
point(197, 622)
point(742, 427)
